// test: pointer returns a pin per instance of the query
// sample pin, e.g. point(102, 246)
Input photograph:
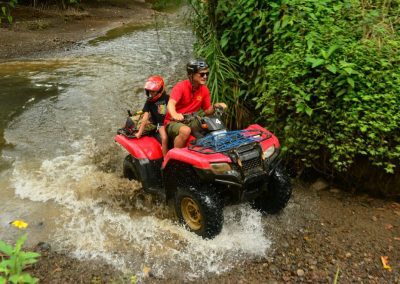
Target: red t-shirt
point(186, 102)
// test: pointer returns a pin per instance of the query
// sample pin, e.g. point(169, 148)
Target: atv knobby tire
point(276, 193)
point(129, 168)
point(198, 206)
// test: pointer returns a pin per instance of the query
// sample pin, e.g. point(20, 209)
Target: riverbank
point(37, 32)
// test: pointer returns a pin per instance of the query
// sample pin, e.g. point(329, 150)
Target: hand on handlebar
point(178, 117)
point(220, 106)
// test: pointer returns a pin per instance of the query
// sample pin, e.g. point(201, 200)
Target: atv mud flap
point(150, 175)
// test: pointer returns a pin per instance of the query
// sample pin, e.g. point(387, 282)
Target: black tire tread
point(277, 195)
point(128, 168)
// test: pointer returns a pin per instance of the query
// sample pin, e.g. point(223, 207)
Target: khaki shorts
point(173, 127)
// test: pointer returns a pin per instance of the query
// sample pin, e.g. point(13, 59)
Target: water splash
point(97, 223)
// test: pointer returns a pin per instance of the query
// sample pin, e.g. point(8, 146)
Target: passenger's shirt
point(157, 109)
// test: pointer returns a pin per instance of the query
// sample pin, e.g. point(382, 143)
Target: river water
point(61, 171)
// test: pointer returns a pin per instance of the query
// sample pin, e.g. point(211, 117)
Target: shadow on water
point(160, 20)
point(166, 5)
point(121, 31)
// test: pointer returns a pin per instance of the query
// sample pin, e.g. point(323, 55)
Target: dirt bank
point(39, 31)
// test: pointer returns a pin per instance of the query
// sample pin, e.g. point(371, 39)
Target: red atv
point(218, 167)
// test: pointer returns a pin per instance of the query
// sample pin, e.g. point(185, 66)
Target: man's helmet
point(154, 83)
point(196, 65)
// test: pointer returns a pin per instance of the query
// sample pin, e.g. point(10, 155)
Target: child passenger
point(156, 106)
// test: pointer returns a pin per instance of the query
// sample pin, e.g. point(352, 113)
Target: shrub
point(6, 9)
point(323, 75)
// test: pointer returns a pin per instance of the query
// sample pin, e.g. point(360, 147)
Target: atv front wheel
point(200, 210)
point(276, 193)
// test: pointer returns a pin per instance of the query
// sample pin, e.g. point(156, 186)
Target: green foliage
point(323, 74)
point(15, 261)
point(6, 10)
point(165, 4)
point(223, 79)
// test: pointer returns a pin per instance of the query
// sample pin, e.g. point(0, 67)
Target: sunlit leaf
point(309, 111)
point(385, 263)
point(331, 68)
point(2, 280)
point(315, 61)
point(350, 81)
point(5, 248)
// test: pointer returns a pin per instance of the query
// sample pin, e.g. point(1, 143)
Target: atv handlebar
point(219, 111)
point(188, 117)
point(139, 112)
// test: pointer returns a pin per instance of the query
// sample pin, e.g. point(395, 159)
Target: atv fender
point(195, 159)
point(268, 142)
point(146, 147)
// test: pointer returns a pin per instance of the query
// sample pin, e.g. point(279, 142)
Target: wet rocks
point(300, 272)
point(43, 247)
point(318, 185)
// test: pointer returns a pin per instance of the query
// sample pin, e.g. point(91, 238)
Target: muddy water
point(60, 169)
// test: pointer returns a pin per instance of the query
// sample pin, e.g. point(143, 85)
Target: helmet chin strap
point(191, 78)
point(191, 82)
point(194, 86)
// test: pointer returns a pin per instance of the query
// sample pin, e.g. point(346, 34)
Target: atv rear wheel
point(276, 193)
point(129, 168)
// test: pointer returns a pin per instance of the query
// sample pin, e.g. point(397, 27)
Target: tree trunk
point(212, 7)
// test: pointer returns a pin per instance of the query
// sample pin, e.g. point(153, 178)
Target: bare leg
point(183, 136)
point(164, 140)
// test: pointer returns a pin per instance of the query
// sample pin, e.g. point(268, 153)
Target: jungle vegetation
point(322, 74)
point(7, 7)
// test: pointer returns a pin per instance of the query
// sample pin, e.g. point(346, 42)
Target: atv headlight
point(220, 168)
point(269, 152)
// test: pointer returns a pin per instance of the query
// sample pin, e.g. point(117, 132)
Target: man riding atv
point(188, 96)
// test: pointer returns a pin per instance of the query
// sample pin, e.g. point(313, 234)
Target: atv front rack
point(227, 140)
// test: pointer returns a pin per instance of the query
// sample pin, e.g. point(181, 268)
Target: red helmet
point(154, 83)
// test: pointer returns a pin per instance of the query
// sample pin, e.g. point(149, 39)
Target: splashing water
point(94, 224)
